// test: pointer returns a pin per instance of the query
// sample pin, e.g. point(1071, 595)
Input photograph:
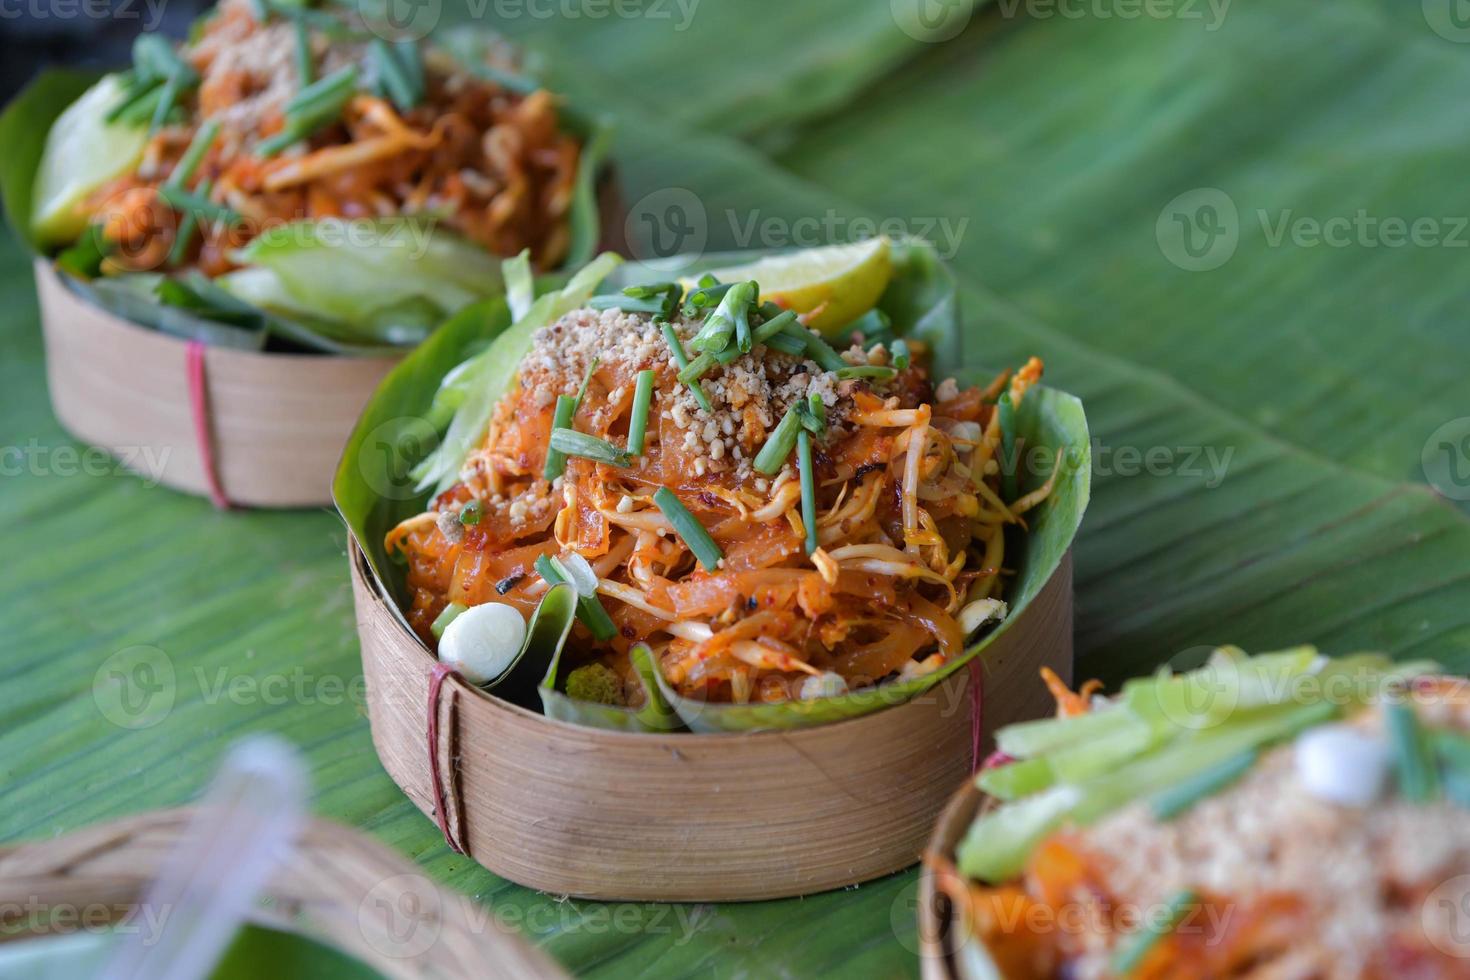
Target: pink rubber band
point(441, 814)
point(199, 410)
point(977, 713)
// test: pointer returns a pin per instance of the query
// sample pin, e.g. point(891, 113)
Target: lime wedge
point(844, 281)
point(83, 152)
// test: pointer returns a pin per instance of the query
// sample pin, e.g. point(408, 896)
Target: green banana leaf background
point(1131, 197)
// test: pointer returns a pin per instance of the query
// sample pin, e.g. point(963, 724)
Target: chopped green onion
point(412, 60)
point(1130, 954)
point(787, 344)
point(779, 443)
point(1007, 409)
point(705, 296)
point(1182, 795)
point(470, 513)
point(587, 379)
point(168, 98)
point(628, 304)
point(393, 75)
point(304, 71)
point(136, 90)
point(808, 488)
point(450, 614)
point(682, 360)
point(725, 322)
point(194, 155)
point(323, 92)
point(589, 608)
point(650, 290)
point(638, 422)
point(187, 226)
point(707, 280)
point(818, 409)
point(207, 210)
point(556, 462)
point(900, 354)
point(574, 443)
point(777, 325)
point(821, 352)
point(155, 59)
point(878, 372)
point(689, 528)
point(1415, 763)
point(697, 368)
point(809, 419)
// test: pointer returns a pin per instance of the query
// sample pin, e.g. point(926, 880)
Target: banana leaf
point(292, 313)
point(654, 716)
point(920, 301)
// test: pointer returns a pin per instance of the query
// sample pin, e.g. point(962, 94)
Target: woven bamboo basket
point(684, 817)
point(274, 424)
point(339, 887)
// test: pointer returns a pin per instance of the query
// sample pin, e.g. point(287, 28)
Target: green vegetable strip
point(194, 155)
point(589, 608)
point(182, 200)
point(393, 76)
point(682, 360)
point(1180, 797)
point(776, 325)
point(642, 400)
point(587, 380)
point(1132, 952)
point(810, 421)
point(808, 488)
point(1418, 776)
point(821, 352)
point(305, 73)
point(470, 513)
point(442, 621)
point(687, 526)
point(900, 353)
point(878, 372)
point(187, 226)
point(650, 290)
point(172, 89)
point(323, 92)
point(1007, 409)
point(787, 344)
point(625, 303)
point(779, 444)
point(137, 91)
point(697, 368)
point(575, 443)
point(412, 61)
point(556, 462)
point(818, 409)
point(705, 296)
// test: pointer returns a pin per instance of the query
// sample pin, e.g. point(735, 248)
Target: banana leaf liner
point(336, 908)
point(250, 412)
point(608, 803)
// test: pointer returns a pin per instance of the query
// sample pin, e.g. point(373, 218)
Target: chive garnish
point(173, 87)
point(1417, 774)
point(1133, 950)
point(900, 353)
point(188, 224)
point(586, 380)
point(441, 621)
point(808, 488)
point(628, 304)
point(182, 200)
point(777, 326)
point(821, 352)
point(650, 290)
point(697, 368)
point(811, 421)
point(470, 513)
point(705, 296)
point(1007, 409)
point(1178, 798)
point(556, 462)
point(787, 344)
point(574, 443)
point(194, 155)
point(315, 106)
point(589, 608)
point(878, 372)
point(412, 60)
point(638, 422)
point(394, 76)
point(689, 528)
point(304, 71)
point(818, 409)
point(779, 443)
point(682, 360)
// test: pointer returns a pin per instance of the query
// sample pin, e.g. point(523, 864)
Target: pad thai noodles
point(776, 518)
point(1276, 816)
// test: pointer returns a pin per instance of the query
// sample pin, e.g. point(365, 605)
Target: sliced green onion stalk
point(589, 608)
point(446, 617)
point(587, 380)
point(184, 201)
point(821, 352)
point(682, 360)
point(779, 443)
point(188, 224)
point(687, 526)
point(876, 372)
point(574, 443)
point(470, 513)
point(777, 325)
point(305, 73)
point(628, 304)
point(808, 488)
point(173, 87)
point(199, 146)
point(1131, 953)
point(705, 296)
point(315, 106)
point(787, 344)
point(395, 76)
point(1007, 409)
point(810, 420)
point(899, 353)
point(818, 409)
point(323, 92)
point(642, 401)
point(1017, 779)
point(697, 368)
point(578, 571)
point(1414, 761)
point(556, 461)
point(1180, 797)
point(666, 294)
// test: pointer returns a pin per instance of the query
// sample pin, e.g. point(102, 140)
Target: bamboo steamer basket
point(936, 920)
point(338, 886)
point(275, 422)
point(685, 817)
